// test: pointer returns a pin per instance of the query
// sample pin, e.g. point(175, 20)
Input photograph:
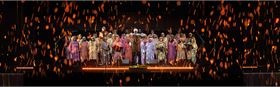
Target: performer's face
point(190, 35)
point(150, 39)
point(161, 39)
point(80, 36)
point(162, 35)
point(117, 38)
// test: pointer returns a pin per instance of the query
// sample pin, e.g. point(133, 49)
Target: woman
point(192, 48)
point(150, 51)
point(181, 54)
point(128, 50)
point(143, 49)
point(93, 49)
point(84, 49)
point(161, 51)
point(171, 51)
point(117, 46)
point(74, 49)
point(104, 52)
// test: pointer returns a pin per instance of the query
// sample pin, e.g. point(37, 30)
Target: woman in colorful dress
point(181, 53)
point(128, 50)
point(74, 49)
point(171, 50)
point(84, 50)
point(143, 49)
point(117, 50)
point(161, 51)
point(93, 49)
point(150, 51)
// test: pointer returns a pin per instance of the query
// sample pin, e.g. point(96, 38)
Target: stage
point(148, 75)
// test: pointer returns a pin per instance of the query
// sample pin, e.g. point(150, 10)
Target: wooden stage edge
point(142, 69)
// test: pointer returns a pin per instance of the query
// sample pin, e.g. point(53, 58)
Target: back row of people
point(136, 48)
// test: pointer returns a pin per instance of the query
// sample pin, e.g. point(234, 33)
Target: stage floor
point(120, 69)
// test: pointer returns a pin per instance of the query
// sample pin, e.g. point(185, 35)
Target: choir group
point(106, 48)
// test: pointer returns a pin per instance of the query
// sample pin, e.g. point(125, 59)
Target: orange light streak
point(169, 68)
point(24, 67)
point(89, 68)
point(249, 67)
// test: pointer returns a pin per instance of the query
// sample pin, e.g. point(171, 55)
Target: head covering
point(100, 34)
point(126, 35)
point(190, 34)
point(73, 38)
point(80, 36)
point(143, 35)
point(103, 28)
point(92, 38)
point(135, 30)
point(162, 34)
point(84, 38)
point(110, 35)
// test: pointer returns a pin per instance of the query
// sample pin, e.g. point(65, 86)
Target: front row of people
point(110, 49)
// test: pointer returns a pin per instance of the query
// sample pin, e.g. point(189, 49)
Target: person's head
point(79, 36)
point(127, 36)
point(135, 30)
point(152, 32)
point(150, 39)
point(160, 38)
point(117, 38)
point(170, 30)
point(110, 35)
point(184, 35)
point(84, 38)
point(190, 35)
point(92, 38)
point(94, 35)
point(103, 28)
point(162, 34)
point(155, 36)
point(73, 38)
point(100, 35)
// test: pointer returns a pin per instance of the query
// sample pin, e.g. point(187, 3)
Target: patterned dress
point(181, 54)
point(93, 50)
point(150, 51)
point(117, 50)
point(128, 51)
point(136, 50)
point(161, 51)
point(171, 51)
point(84, 51)
point(104, 53)
point(74, 50)
point(143, 51)
point(191, 53)
point(110, 43)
